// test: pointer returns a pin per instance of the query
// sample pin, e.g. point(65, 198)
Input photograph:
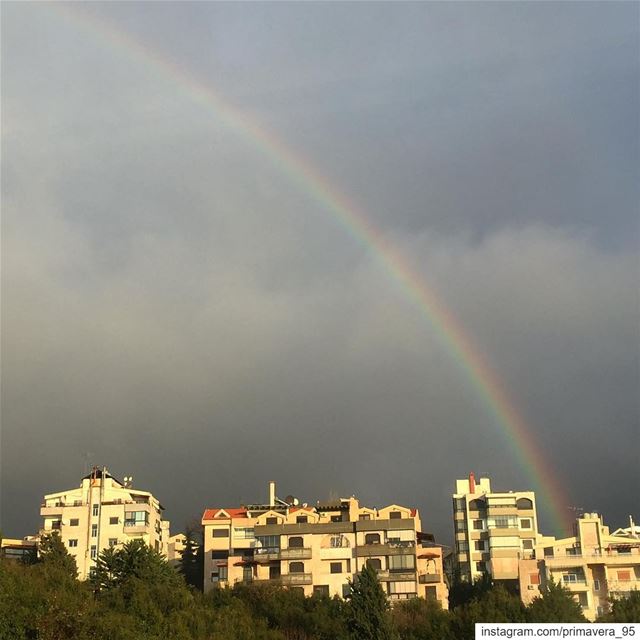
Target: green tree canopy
point(624, 609)
point(367, 613)
point(54, 554)
point(555, 604)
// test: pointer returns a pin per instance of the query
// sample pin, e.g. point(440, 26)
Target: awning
point(428, 556)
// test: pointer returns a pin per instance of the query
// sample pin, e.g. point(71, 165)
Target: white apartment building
point(594, 565)
point(103, 512)
point(493, 530)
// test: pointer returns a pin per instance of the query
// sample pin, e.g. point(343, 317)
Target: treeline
point(136, 595)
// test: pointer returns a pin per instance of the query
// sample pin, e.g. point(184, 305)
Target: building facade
point(593, 564)
point(319, 549)
point(493, 530)
point(103, 512)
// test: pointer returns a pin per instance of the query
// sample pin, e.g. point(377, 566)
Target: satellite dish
point(296, 502)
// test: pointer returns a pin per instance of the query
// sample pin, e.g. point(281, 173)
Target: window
point(74, 522)
point(395, 515)
point(274, 571)
point(272, 520)
point(94, 552)
point(502, 522)
point(365, 516)
point(534, 578)
point(247, 574)
point(478, 525)
point(113, 542)
point(527, 544)
point(73, 543)
point(477, 505)
point(481, 566)
point(460, 526)
point(267, 544)
point(431, 593)
point(336, 518)
point(524, 503)
point(372, 538)
point(96, 509)
point(92, 572)
point(525, 523)
point(571, 577)
point(301, 519)
point(374, 563)
point(596, 585)
point(296, 567)
point(296, 542)
point(220, 533)
point(337, 542)
point(243, 533)
point(94, 530)
point(479, 545)
point(402, 587)
point(402, 563)
point(321, 590)
point(336, 567)
point(548, 552)
point(219, 555)
point(223, 573)
point(113, 520)
point(459, 504)
point(136, 518)
point(346, 590)
point(462, 546)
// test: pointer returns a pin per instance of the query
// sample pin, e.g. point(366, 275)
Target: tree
point(491, 604)
point(192, 559)
point(624, 609)
point(555, 604)
point(54, 554)
point(368, 616)
point(419, 619)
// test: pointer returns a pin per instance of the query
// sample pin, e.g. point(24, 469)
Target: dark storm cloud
point(175, 304)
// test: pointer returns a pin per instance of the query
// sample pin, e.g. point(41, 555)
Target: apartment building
point(19, 549)
point(103, 512)
point(493, 530)
point(593, 564)
point(320, 548)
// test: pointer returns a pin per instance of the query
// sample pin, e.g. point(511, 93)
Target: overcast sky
point(175, 306)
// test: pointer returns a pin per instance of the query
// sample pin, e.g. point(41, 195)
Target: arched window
point(477, 505)
point(524, 503)
point(296, 567)
point(374, 563)
point(372, 538)
point(296, 542)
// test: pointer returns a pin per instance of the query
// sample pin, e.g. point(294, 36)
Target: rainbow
point(486, 383)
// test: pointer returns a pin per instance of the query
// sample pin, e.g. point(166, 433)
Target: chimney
point(472, 483)
point(272, 493)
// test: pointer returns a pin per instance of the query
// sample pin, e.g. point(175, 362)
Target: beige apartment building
point(593, 564)
point(103, 512)
point(493, 530)
point(320, 548)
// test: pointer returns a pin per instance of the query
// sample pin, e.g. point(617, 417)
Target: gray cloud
point(174, 303)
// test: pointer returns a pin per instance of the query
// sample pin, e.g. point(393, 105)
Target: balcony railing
point(295, 578)
point(295, 553)
point(387, 549)
point(429, 578)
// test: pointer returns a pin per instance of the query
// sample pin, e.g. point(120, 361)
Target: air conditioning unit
point(531, 587)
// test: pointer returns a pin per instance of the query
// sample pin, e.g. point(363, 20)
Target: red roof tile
point(210, 514)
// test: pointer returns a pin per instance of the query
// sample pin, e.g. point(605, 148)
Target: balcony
point(576, 560)
point(293, 579)
point(295, 553)
point(429, 578)
point(387, 549)
point(397, 576)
